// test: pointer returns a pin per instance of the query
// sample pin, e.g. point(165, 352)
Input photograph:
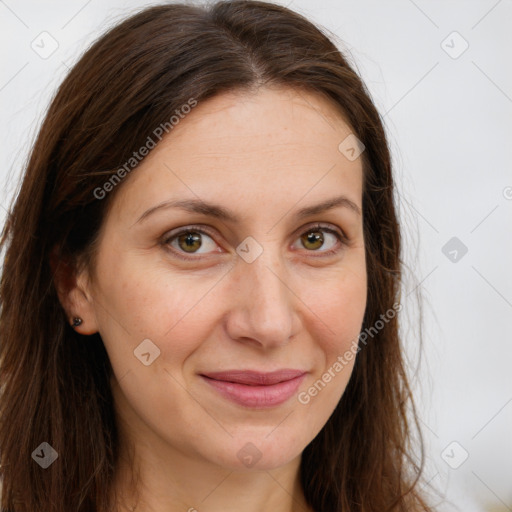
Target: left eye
point(190, 240)
point(316, 237)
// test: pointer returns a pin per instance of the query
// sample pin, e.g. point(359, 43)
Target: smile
point(256, 389)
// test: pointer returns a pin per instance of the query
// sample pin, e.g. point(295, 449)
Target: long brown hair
point(55, 387)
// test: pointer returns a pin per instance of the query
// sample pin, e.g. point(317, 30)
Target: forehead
point(277, 144)
point(271, 116)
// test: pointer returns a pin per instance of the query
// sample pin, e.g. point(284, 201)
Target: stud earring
point(77, 321)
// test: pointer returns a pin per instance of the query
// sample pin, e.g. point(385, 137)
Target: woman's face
point(260, 288)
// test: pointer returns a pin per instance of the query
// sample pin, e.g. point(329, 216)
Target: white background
point(449, 125)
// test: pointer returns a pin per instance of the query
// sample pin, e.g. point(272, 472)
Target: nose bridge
point(267, 275)
point(264, 306)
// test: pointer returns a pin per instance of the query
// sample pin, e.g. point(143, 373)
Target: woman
point(202, 280)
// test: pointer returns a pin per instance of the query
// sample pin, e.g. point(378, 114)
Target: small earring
point(77, 321)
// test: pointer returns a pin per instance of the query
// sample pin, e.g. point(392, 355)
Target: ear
point(73, 289)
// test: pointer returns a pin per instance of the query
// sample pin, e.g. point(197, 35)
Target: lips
point(253, 378)
point(256, 389)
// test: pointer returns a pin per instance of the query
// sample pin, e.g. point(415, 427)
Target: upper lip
point(255, 378)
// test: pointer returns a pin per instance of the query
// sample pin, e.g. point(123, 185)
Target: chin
point(258, 452)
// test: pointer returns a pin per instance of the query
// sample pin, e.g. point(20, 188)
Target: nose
point(263, 310)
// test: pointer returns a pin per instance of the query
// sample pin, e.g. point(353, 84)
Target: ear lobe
point(73, 294)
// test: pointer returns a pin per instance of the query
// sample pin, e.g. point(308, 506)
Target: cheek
point(138, 301)
point(338, 307)
point(338, 316)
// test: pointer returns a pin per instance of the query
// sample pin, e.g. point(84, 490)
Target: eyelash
point(198, 229)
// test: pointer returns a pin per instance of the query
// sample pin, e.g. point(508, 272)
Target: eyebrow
point(220, 212)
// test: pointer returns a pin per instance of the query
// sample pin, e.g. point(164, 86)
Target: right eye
point(188, 241)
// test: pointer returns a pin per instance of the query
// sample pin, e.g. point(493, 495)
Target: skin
point(263, 155)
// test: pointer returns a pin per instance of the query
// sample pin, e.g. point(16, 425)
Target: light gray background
point(448, 119)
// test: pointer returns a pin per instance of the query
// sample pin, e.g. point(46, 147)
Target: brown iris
point(313, 237)
point(190, 239)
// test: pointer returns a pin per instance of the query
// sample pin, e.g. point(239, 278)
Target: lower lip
point(257, 396)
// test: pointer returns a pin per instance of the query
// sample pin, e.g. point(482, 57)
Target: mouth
point(255, 389)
